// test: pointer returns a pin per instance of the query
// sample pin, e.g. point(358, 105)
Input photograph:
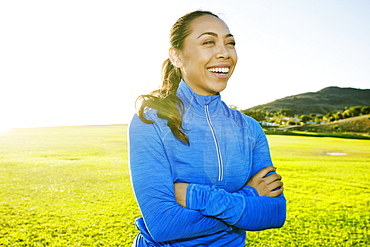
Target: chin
point(220, 87)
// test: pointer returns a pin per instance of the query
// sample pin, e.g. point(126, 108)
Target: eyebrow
point(215, 34)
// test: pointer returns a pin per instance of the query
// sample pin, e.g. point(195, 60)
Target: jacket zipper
point(218, 150)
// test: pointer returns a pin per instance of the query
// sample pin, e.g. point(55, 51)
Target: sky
point(84, 62)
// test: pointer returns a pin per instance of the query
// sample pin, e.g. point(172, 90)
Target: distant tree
point(271, 114)
point(365, 110)
point(354, 111)
point(346, 114)
point(337, 128)
point(234, 107)
point(328, 116)
point(287, 112)
point(338, 116)
point(258, 115)
point(319, 118)
point(305, 118)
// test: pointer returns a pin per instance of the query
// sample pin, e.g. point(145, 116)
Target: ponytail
point(166, 102)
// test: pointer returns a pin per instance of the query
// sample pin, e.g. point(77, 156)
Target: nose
point(223, 52)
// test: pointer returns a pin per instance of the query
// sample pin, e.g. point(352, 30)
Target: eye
point(208, 42)
point(232, 43)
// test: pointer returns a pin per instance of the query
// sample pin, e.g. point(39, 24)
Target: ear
point(175, 57)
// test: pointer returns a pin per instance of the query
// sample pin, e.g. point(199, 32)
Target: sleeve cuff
point(248, 191)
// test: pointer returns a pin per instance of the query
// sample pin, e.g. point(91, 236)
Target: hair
point(164, 99)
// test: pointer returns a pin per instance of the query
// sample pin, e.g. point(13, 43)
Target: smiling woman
point(211, 177)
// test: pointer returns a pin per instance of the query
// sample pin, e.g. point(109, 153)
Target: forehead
point(208, 23)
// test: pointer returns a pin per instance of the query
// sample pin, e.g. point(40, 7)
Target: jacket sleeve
point(244, 208)
point(152, 181)
point(251, 213)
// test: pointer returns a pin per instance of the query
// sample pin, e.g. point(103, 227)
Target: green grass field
point(70, 186)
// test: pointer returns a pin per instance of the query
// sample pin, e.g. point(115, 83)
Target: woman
point(201, 172)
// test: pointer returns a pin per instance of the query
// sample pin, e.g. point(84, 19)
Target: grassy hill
point(359, 124)
point(330, 99)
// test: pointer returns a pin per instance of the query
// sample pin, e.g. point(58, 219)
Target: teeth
point(219, 70)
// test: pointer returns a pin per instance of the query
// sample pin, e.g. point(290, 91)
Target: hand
point(180, 193)
point(266, 186)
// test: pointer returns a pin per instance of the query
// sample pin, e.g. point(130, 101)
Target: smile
point(219, 70)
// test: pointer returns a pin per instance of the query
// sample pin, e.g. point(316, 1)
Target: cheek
point(196, 60)
point(234, 56)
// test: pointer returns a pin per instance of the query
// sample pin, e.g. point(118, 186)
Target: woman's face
point(209, 57)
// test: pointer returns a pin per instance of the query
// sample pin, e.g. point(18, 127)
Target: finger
point(274, 185)
point(276, 193)
point(263, 172)
point(271, 178)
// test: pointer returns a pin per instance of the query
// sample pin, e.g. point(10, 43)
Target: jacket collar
point(198, 102)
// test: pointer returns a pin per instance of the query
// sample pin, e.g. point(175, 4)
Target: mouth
point(219, 72)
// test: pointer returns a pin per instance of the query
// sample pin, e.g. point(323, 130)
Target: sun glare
point(3, 129)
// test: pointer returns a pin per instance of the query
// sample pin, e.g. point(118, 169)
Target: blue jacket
point(226, 149)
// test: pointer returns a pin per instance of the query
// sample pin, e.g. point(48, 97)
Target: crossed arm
point(263, 208)
point(264, 185)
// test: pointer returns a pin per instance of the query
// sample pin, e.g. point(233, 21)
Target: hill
point(330, 99)
point(359, 124)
